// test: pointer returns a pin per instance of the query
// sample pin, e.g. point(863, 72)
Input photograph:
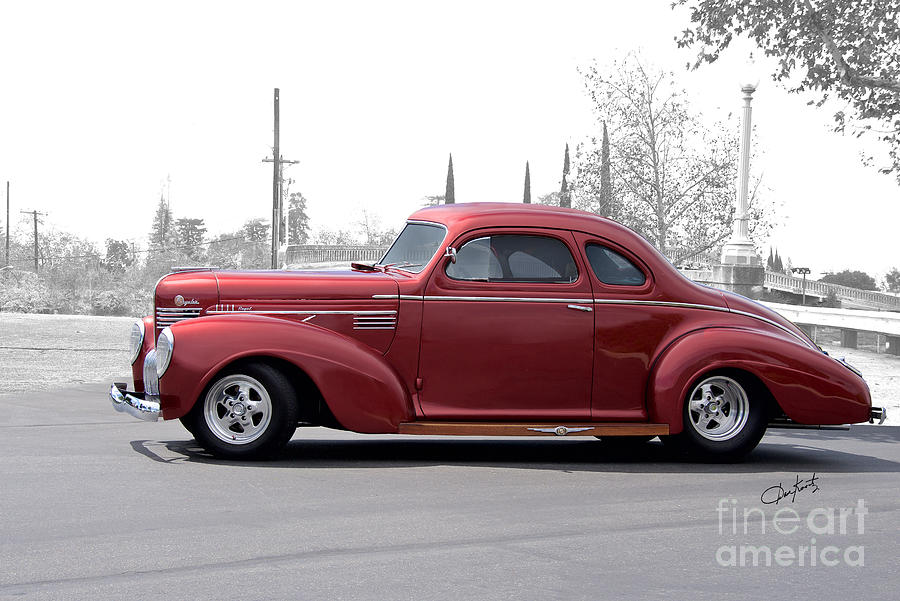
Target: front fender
point(809, 386)
point(362, 390)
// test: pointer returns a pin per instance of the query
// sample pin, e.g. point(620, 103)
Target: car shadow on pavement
point(588, 455)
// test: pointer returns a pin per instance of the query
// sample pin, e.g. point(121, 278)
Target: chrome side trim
point(617, 301)
point(398, 296)
point(777, 325)
point(293, 312)
point(508, 299)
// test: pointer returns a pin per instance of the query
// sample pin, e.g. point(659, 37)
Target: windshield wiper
point(403, 265)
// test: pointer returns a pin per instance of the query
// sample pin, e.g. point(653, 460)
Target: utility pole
point(35, 215)
point(7, 223)
point(277, 161)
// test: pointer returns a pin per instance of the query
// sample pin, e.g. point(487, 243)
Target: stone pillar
point(746, 280)
point(849, 338)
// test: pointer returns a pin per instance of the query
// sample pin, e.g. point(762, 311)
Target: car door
point(507, 330)
point(630, 323)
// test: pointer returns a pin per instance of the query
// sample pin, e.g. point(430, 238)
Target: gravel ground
point(40, 352)
point(52, 351)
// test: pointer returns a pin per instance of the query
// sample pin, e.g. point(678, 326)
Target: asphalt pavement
point(97, 505)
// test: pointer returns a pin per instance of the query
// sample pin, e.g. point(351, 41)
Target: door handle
point(580, 308)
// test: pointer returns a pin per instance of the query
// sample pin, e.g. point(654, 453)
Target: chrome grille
point(166, 316)
point(375, 322)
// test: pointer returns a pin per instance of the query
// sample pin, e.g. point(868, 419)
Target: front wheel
point(724, 419)
point(247, 413)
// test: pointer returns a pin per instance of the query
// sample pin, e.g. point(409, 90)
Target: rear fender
point(809, 386)
point(362, 390)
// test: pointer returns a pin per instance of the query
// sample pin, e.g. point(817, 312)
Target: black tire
point(187, 422)
point(249, 412)
point(725, 417)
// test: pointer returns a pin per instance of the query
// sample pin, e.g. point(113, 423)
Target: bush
point(24, 292)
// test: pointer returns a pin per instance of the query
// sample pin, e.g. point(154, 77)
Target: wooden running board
point(539, 429)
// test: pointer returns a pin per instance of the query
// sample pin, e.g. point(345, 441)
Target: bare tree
point(674, 178)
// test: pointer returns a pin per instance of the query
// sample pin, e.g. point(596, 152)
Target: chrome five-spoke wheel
point(724, 417)
point(718, 408)
point(238, 409)
point(248, 412)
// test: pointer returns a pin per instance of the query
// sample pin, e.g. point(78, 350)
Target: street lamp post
point(740, 249)
point(804, 271)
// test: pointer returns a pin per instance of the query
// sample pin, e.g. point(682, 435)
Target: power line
point(148, 250)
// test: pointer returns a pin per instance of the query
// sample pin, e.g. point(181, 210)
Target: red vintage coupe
point(482, 319)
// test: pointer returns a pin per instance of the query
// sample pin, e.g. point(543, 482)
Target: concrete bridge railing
point(787, 283)
point(849, 321)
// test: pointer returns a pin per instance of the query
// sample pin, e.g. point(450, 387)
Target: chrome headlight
point(164, 347)
point(137, 340)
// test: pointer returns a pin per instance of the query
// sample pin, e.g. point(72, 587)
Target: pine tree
point(450, 195)
point(189, 236)
point(606, 195)
point(298, 220)
point(565, 200)
point(777, 264)
point(161, 234)
point(770, 263)
point(527, 197)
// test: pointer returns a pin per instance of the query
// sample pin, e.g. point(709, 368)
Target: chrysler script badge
point(180, 302)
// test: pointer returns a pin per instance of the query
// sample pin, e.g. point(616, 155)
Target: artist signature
point(776, 493)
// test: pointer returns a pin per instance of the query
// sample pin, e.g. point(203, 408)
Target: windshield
point(414, 247)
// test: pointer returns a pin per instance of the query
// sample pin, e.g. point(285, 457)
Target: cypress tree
point(527, 197)
point(606, 197)
point(449, 194)
point(770, 263)
point(564, 199)
point(161, 234)
point(777, 264)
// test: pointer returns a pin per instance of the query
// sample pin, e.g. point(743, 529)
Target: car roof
point(472, 215)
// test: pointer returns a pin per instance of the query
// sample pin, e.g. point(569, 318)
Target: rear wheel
point(247, 413)
point(724, 418)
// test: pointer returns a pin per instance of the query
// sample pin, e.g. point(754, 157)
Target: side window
point(514, 258)
point(612, 268)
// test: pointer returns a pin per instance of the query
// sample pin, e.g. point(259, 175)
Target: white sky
point(99, 102)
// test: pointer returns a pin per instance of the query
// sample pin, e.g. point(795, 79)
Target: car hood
point(273, 286)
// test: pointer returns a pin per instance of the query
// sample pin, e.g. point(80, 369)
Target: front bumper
point(142, 405)
point(877, 415)
point(135, 404)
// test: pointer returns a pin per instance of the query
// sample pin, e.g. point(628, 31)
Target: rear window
point(613, 268)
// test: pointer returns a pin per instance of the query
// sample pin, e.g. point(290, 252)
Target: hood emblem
point(180, 301)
